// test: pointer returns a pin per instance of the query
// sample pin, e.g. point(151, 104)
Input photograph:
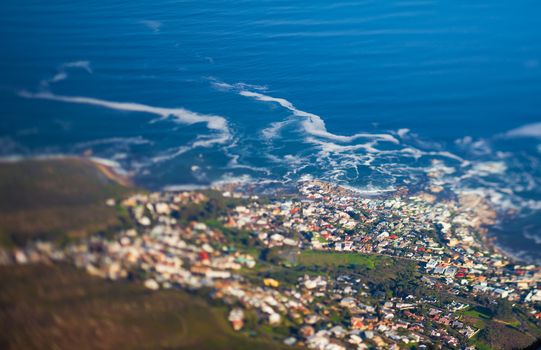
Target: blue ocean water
point(372, 94)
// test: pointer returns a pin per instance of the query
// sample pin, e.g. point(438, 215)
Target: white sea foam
point(232, 179)
point(529, 130)
point(237, 86)
point(181, 115)
point(536, 239)
point(488, 168)
point(338, 155)
point(221, 132)
point(85, 65)
point(138, 140)
point(62, 73)
point(185, 187)
point(234, 164)
point(155, 26)
point(478, 147)
point(273, 130)
point(314, 124)
point(119, 156)
point(330, 147)
point(251, 168)
point(402, 132)
point(449, 155)
point(207, 141)
point(532, 204)
point(170, 154)
point(292, 159)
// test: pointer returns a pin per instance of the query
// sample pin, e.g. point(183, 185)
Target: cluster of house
point(445, 238)
point(363, 322)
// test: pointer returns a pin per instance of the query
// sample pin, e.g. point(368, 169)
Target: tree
point(504, 310)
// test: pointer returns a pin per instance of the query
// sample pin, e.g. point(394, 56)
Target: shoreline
point(408, 236)
point(114, 172)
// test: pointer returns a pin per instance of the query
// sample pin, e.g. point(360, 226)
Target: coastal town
point(322, 268)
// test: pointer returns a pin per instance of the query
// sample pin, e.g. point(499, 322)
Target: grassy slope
point(53, 199)
point(63, 308)
point(324, 258)
point(496, 334)
point(43, 307)
point(381, 271)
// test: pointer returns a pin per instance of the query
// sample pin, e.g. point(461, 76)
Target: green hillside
point(56, 199)
point(60, 307)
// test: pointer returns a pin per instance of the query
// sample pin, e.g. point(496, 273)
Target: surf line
point(213, 122)
point(312, 124)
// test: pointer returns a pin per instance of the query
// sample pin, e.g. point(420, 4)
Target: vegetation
point(502, 327)
point(385, 276)
point(215, 206)
point(323, 258)
point(478, 312)
point(61, 307)
point(65, 308)
point(57, 200)
point(501, 336)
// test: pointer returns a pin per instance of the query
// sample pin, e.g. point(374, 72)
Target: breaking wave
point(287, 150)
point(314, 124)
point(529, 130)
